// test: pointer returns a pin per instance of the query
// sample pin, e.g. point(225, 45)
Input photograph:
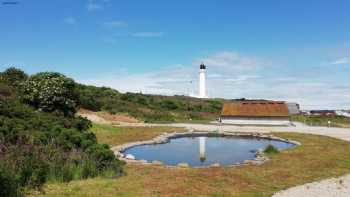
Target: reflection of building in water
point(202, 148)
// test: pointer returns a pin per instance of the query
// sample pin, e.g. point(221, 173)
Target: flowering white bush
point(51, 91)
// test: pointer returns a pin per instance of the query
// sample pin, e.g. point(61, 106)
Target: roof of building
point(255, 109)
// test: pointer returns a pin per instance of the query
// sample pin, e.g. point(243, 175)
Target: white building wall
point(256, 121)
point(293, 108)
point(202, 89)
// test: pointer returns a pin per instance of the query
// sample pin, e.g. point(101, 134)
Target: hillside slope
point(149, 108)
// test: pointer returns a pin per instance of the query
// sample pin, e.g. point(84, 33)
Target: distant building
point(262, 112)
point(322, 113)
point(343, 113)
point(293, 108)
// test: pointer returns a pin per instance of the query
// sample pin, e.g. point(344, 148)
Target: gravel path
point(335, 187)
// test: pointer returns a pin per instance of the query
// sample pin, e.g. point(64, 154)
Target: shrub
point(270, 149)
point(51, 92)
point(5, 91)
point(141, 101)
point(168, 104)
point(37, 146)
point(96, 98)
point(9, 185)
point(13, 76)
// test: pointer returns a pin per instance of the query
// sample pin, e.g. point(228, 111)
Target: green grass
point(318, 157)
point(336, 121)
point(108, 134)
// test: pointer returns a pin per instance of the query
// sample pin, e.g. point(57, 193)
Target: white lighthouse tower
point(202, 90)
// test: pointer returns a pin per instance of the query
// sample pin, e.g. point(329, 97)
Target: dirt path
point(335, 187)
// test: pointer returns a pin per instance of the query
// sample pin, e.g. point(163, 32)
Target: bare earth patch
point(105, 117)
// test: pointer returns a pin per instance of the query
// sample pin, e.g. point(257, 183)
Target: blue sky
point(285, 50)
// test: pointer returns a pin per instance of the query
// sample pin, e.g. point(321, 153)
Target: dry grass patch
point(317, 158)
point(107, 134)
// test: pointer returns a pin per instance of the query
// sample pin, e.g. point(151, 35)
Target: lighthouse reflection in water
point(202, 149)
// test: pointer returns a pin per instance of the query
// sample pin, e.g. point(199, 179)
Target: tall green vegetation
point(13, 76)
point(40, 138)
point(149, 108)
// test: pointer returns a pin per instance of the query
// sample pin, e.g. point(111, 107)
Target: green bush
point(94, 98)
point(5, 91)
point(168, 104)
point(9, 184)
point(51, 92)
point(13, 76)
point(270, 149)
point(38, 146)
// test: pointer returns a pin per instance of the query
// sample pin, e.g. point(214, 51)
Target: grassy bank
point(317, 158)
point(149, 108)
point(112, 136)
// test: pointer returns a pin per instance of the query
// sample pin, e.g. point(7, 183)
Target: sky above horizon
point(298, 51)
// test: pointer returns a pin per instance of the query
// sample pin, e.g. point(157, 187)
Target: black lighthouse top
point(202, 66)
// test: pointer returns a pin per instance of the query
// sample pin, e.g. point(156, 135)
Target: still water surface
point(204, 151)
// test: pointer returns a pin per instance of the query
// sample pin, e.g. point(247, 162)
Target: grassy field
point(317, 158)
point(336, 121)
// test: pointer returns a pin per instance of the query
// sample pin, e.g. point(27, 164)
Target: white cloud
point(148, 34)
point(115, 23)
point(343, 60)
point(231, 75)
point(94, 5)
point(228, 61)
point(70, 20)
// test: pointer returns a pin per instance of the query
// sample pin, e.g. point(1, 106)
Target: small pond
point(204, 151)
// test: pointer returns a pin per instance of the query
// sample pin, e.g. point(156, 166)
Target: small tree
point(51, 92)
point(13, 76)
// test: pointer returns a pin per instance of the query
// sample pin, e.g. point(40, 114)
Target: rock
point(183, 165)
point(215, 165)
point(130, 156)
point(248, 162)
point(161, 140)
point(120, 155)
point(157, 162)
point(253, 151)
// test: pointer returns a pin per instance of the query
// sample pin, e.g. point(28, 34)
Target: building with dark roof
point(255, 113)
